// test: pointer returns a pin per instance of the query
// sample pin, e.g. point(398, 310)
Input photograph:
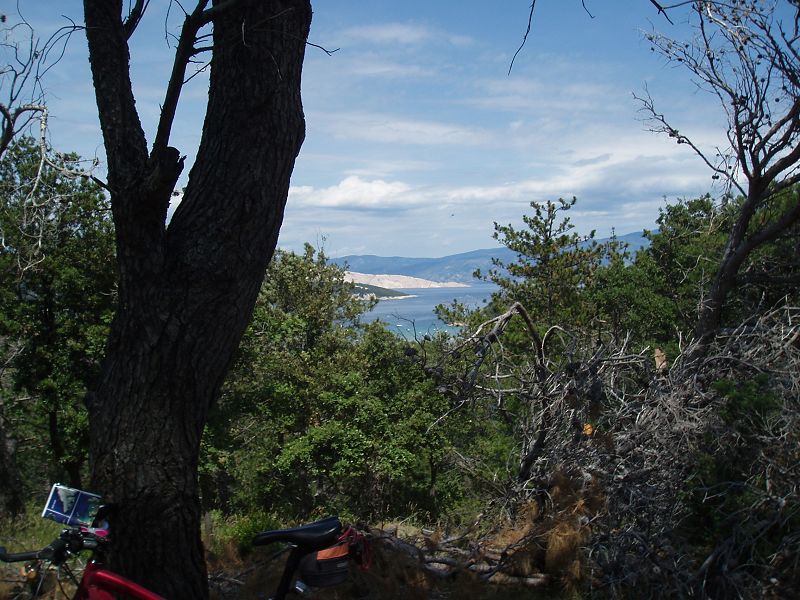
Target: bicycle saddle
point(310, 537)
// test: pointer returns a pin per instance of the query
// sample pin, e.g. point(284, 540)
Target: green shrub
point(239, 530)
point(28, 530)
point(746, 401)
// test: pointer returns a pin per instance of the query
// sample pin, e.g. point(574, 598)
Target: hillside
point(453, 268)
point(398, 281)
point(365, 289)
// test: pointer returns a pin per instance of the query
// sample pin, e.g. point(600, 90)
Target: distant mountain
point(456, 267)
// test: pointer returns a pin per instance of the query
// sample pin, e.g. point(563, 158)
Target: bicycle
point(320, 551)
point(38, 579)
point(96, 582)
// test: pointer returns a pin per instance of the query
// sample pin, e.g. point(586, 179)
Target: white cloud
point(403, 33)
point(381, 168)
point(376, 67)
point(549, 93)
point(353, 192)
point(393, 129)
point(635, 173)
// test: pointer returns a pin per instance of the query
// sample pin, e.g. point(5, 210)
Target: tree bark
point(710, 315)
point(186, 292)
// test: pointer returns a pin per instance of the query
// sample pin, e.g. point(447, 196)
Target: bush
point(747, 402)
point(238, 530)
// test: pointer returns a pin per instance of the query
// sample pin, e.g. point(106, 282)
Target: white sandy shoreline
point(399, 281)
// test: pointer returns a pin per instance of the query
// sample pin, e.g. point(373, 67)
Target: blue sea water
point(412, 316)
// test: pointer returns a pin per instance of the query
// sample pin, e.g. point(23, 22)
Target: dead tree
point(24, 60)
point(747, 54)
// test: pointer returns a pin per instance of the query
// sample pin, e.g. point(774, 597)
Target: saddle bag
point(330, 566)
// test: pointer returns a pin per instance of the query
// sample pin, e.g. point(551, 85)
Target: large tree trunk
point(186, 293)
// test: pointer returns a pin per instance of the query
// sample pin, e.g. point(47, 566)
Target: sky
point(418, 137)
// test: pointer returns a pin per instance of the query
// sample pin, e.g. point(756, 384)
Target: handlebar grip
point(17, 556)
point(89, 543)
point(54, 550)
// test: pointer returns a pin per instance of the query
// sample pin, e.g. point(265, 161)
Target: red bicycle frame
point(98, 583)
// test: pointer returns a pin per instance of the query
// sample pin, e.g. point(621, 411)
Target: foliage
point(28, 530)
point(683, 460)
point(555, 265)
point(655, 297)
point(237, 529)
point(321, 413)
point(630, 299)
point(741, 53)
point(56, 310)
point(685, 252)
point(746, 400)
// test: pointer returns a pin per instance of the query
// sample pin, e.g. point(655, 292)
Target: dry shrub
point(15, 579)
point(8, 590)
point(513, 531)
point(564, 542)
point(561, 490)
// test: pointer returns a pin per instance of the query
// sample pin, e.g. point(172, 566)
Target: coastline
point(397, 297)
point(381, 298)
point(399, 281)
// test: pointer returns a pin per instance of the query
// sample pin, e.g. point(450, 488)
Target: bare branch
point(135, 17)
point(184, 52)
point(659, 124)
point(661, 11)
point(25, 60)
point(524, 37)
point(742, 55)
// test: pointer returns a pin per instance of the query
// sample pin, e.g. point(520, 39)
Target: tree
point(685, 252)
point(25, 59)
point(630, 299)
point(747, 54)
point(321, 413)
point(20, 67)
point(554, 267)
point(56, 311)
point(186, 289)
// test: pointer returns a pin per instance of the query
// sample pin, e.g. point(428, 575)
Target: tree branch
point(109, 57)
point(778, 226)
point(135, 17)
point(184, 52)
point(524, 37)
point(661, 11)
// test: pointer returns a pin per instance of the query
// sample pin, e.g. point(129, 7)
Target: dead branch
point(742, 55)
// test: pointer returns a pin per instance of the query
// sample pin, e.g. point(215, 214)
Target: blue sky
point(418, 139)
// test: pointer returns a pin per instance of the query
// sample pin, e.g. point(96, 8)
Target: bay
point(413, 316)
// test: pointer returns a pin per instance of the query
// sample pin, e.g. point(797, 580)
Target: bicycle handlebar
point(18, 556)
point(69, 541)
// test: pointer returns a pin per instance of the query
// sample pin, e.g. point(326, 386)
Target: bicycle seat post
point(289, 569)
point(303, 540)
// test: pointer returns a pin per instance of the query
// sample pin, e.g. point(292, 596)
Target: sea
point(413, 316)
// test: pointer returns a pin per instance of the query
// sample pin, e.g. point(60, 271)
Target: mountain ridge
point(452, 268)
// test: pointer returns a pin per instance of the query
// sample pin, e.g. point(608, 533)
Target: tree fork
point(187, 290)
